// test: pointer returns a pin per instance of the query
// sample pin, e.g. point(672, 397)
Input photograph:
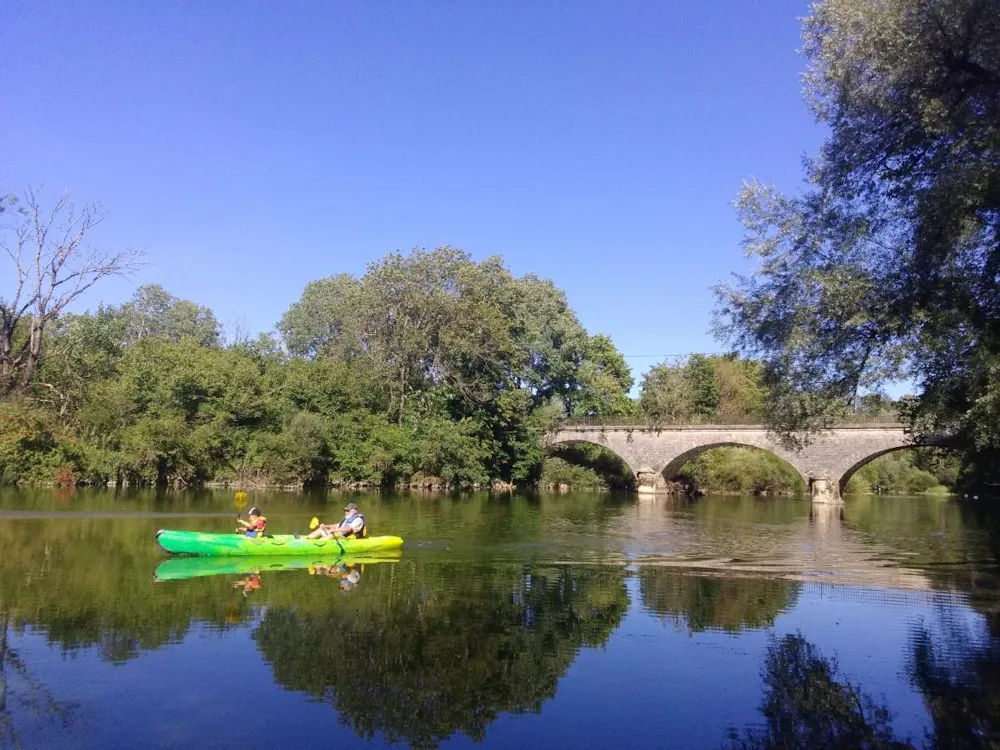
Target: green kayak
point(198, 543)
point(182, 568)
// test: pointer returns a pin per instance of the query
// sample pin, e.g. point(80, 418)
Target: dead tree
point(52, 267)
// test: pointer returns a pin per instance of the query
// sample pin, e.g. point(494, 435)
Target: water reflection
point(496, 602)
point(23, 695)
point(959, 675)
point(805, 705)
point(702, 603)
point(426, 654)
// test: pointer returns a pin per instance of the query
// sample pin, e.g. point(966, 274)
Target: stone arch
point(549, 444)
point(675, 464)
point(845, 477)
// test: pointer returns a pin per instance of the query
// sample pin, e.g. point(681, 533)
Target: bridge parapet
point(642, 422)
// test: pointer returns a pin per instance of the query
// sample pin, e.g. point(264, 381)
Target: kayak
point(182, 568)
point(199, 543)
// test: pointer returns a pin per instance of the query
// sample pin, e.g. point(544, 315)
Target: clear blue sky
point(251, 147)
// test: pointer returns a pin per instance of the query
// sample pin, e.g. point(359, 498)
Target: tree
point(740, 386)
point(155, 313)
point(886, 266)
point(324, 320)
point(604, 382)
point(53, 266)
point(550, 338)
point(704, 392)
point(441, 338)
point(665, 394)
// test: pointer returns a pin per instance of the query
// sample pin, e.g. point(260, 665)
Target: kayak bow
point(199, 543)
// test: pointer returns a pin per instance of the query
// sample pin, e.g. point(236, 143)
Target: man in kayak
point(255, 526)
point(353, 525)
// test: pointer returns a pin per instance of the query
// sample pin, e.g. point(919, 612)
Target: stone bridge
point(656, 454)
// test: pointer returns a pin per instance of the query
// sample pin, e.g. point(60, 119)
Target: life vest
point(256, 528)
point(364, 526)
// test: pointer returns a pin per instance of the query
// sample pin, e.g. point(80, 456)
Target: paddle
point(239, 501)
point(313, 524)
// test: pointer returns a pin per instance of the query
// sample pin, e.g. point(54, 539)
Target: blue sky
point(250, 147)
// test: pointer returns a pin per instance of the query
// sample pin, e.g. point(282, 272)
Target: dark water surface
point(576, 620)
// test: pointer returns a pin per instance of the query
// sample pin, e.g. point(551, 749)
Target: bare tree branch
point(61, 268)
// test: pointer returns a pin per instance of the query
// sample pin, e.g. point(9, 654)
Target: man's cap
point(350, 506)
point(255, 511)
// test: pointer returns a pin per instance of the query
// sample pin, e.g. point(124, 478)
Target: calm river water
point(574, 620)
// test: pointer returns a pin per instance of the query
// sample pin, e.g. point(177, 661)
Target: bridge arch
point(852, 470)
point(672, 469)
point(551, 446)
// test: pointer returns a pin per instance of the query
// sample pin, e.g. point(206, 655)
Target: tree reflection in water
point(959, 677)
point(419, 659)
point(805, 706)
point(700, 603)
point(31, 696)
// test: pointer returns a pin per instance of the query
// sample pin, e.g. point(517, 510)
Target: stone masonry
point(655, 455)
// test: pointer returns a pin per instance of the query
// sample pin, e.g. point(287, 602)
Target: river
point(552, 620)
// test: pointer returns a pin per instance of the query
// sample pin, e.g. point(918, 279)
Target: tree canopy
point(886, 265)
point(431, 368)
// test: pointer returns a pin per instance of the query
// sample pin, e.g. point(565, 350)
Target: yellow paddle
point(239, 501)
point(312, 525)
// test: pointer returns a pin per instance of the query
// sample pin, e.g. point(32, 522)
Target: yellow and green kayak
point(199, 543)
point(183, 568)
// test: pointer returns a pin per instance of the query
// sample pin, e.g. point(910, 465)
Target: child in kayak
point(255, 526)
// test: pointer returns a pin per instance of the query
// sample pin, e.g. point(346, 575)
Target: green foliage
point(719, 389)
point(665, 394)
point(604, 382)
point(31, 447)
point(704, 392)
point(703, 388)
point(582, 465)
point(155, 313)
point(741, 470)
point(886, 265)
point(430, 369)
point(907, 472)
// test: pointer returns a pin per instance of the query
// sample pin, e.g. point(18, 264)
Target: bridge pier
point(649, 481)
point(824, 491)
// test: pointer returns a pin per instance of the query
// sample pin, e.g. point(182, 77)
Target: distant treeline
point(430, 370)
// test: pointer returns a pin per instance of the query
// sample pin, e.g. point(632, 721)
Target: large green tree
point(473, 363)
point(886, 265)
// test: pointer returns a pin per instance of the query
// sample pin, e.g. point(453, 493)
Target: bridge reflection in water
point(806, 542)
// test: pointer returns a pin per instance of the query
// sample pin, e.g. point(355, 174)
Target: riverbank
point(730, 471)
